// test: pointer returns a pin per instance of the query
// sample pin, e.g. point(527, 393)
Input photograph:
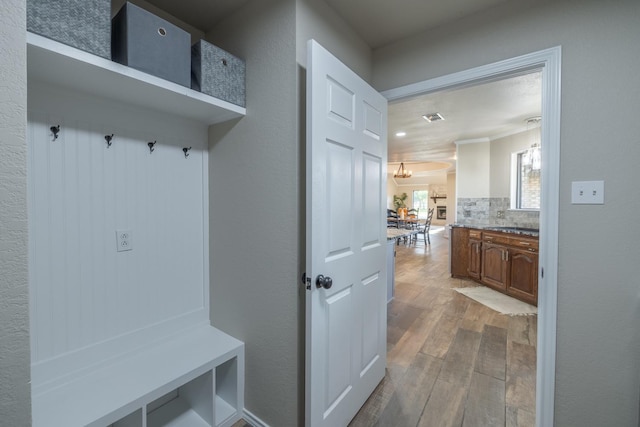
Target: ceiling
point(476, 113)
point(485, 111)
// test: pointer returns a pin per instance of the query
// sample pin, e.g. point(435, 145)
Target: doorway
point(548, 61)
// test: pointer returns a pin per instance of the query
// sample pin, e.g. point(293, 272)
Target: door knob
point(323, 282)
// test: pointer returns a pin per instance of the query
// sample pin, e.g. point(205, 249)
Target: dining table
point(409, 222)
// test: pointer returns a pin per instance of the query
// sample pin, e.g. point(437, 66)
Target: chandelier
point(402, 172)
point(531, 157)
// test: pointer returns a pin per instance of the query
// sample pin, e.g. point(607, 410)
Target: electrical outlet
point(587, 192)
point(500, 214)
point(124, 240)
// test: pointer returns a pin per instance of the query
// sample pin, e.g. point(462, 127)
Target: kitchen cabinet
point(459, 252)
point(504, 261)
point(523, 275)
point(475, 254)
point(510, 265)
point(495, 267)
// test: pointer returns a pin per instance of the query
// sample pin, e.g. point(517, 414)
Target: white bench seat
point(110, 393)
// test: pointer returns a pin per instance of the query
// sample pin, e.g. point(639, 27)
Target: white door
point(346, 240)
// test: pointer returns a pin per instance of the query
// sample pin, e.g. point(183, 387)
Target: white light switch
point(587, 192)
point(124, 240)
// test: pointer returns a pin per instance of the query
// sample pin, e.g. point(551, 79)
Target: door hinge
point(542, 272)
point(306, 281)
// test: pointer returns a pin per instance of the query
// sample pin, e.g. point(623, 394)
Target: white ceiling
point(485, 111)
point(481, 112)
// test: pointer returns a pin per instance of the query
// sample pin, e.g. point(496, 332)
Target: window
point(421, 202)
point(525, 182)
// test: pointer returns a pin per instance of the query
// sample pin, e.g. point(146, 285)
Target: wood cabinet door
point(495, 266)
point(523, 276)
point(459, 255)
point(475, 258)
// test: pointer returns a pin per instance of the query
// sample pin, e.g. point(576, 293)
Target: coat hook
point(151, 144)
point(108, 138)
point(186, 151)
point(54, 131)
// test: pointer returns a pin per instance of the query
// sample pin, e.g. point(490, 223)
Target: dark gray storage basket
point(217, 73)
point(83, 24)
point(150, 44)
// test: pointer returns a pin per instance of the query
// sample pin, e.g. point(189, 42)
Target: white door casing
point(346, 240)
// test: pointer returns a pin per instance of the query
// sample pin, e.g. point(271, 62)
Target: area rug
point(499, 302)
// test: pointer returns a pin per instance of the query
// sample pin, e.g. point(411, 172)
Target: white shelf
point(52, 62)
point(176, 413)
point(223, 411)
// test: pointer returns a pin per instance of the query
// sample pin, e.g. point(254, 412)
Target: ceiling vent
point(433, 117)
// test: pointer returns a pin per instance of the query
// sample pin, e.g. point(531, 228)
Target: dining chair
point(412, 216)
point(424, 228)
point(392, 218)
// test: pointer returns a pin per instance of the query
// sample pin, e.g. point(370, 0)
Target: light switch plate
point(587, 192)
point(124, 240)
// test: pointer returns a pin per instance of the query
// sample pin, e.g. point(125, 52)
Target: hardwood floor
point(450, 361)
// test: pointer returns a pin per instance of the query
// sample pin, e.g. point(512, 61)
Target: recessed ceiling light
point(401, 134)
point(433, 117)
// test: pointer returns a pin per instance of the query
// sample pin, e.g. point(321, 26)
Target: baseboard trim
point(252, 419)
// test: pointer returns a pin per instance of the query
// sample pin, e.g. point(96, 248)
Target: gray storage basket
point(83, 24)
point(148, 43)
point(217, 73)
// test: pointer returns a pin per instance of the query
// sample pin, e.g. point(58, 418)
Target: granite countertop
point(533, 232)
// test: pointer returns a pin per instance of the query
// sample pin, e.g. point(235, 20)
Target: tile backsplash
point(494, 211)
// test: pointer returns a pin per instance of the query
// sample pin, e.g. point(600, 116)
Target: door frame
point(547, 61)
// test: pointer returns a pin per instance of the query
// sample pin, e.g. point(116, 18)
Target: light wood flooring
point(450, 360)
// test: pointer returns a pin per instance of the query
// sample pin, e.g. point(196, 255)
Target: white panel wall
point(89, 301)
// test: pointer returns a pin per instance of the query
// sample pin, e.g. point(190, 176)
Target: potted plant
point(399, 202)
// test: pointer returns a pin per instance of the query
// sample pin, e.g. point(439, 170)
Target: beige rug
point(499, 302)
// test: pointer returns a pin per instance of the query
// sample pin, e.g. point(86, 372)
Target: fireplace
point(441, 212)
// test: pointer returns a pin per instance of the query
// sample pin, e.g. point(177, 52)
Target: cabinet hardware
point(525, 243)
point(506, 256)
point(185, 150)
point(151, 146)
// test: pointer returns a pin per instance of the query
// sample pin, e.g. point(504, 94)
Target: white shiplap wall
point(88, 301)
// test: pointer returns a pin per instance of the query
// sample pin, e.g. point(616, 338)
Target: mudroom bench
point(194, 378)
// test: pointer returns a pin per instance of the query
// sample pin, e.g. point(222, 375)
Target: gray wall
point(15, 397)
point(255, 188)
point(598, 335)
point(315, 19)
